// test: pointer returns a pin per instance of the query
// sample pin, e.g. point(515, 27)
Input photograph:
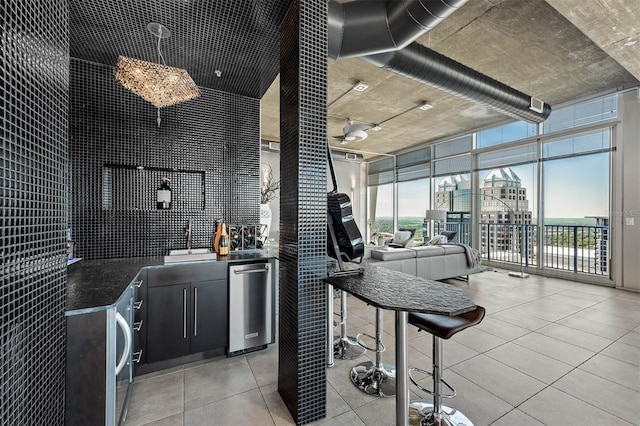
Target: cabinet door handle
point(138, 356)
point(137, 325)
point(195, 311)
point(137, 284)
point(184, 313)
point(138, 304)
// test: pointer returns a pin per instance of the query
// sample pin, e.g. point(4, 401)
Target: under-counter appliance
point(99, 371)
point(251, 315)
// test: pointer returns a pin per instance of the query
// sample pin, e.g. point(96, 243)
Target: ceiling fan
point(353, 132)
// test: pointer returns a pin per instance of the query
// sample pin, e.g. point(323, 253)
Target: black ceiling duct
point(431, 68)
point(360, 28)
point(384, 33)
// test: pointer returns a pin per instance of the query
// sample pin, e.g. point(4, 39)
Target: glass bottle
point(224, 241)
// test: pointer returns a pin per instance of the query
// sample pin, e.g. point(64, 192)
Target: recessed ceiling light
point(376, 128)
point(361, 86)
point(425, 106)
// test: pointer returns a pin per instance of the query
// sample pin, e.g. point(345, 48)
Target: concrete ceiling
point(555, 50)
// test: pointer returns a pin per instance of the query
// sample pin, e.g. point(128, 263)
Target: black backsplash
point(34, 81)
point(113, 131)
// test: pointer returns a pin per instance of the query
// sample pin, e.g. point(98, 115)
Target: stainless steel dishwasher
point(251, 318)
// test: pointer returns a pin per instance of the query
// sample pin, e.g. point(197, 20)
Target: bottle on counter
point(216, 237)
point(224, 241)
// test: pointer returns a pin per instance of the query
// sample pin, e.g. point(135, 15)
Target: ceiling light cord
point(159, 52)
point(163, 62)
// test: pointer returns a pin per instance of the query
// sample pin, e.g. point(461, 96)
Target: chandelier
point(156, 83)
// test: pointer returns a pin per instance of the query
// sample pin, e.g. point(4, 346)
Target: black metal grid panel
point(303, 211)
point(237, 37)
point(217, 134)
point(34, 79)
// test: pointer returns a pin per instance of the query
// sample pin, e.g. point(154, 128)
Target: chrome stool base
point(448, 416)
point(347, 348)
point(373, 380)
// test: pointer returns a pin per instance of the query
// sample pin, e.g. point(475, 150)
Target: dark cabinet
point(209, 329)
point(185, 313)
point(167, 315)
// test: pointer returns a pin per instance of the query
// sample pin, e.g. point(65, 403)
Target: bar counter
point(403, 293)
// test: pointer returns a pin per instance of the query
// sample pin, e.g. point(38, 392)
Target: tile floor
point(549, 352)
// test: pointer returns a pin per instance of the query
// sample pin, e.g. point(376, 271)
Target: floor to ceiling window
point(540, 194)
point(576, 203)
point(414, 190)
point(507, 202)
point(576, 176)
point(452, 187)
point(380, 194)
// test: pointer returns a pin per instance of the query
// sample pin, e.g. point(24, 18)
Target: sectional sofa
point(434, 262)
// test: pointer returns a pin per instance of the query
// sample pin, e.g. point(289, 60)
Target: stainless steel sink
point(189, 255)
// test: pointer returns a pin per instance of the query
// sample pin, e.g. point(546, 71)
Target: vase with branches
point(269, 185)
point(268, 189)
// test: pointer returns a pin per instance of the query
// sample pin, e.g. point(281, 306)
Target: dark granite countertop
point(387, 289)
point(97, 284)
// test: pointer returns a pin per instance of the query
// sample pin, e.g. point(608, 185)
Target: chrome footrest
point(430, 392)
point(381, 345)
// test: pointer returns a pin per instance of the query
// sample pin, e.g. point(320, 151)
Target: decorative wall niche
point(126, 187)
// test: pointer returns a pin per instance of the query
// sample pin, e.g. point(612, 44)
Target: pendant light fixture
point(156, 83)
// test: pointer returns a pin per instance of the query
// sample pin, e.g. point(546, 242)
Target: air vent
point(353, 157)
point(274, 146)
point(536, 105)
point(266, 145)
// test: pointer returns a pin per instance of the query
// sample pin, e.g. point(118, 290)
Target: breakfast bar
point(403, 293)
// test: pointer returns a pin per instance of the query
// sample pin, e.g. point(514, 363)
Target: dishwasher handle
point(251, 271)
point(127, 342)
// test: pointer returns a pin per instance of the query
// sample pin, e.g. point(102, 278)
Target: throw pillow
point(401, 237)
point(438, 239)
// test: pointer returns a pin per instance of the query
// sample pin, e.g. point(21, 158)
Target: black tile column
point(34, 81)
point(303, 210)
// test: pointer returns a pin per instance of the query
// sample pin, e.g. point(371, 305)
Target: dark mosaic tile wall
point(209, 147)
point(34, 80)
point(303, 211)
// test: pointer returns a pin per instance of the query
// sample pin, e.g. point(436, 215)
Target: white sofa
point(434, 262)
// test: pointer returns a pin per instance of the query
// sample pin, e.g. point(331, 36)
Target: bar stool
point(441, 327)
point(379, 378)
point(346, 347)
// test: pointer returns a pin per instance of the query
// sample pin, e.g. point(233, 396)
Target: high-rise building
point(504, 200)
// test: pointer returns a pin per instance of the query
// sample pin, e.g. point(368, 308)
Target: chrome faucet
point(189, 234)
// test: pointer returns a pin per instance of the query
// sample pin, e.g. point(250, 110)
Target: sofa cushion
point(428, 251)
point(393, 253)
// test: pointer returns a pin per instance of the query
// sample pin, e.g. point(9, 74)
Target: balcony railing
point(574, 248)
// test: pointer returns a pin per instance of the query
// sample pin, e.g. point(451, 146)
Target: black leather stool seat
point(443, 326)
